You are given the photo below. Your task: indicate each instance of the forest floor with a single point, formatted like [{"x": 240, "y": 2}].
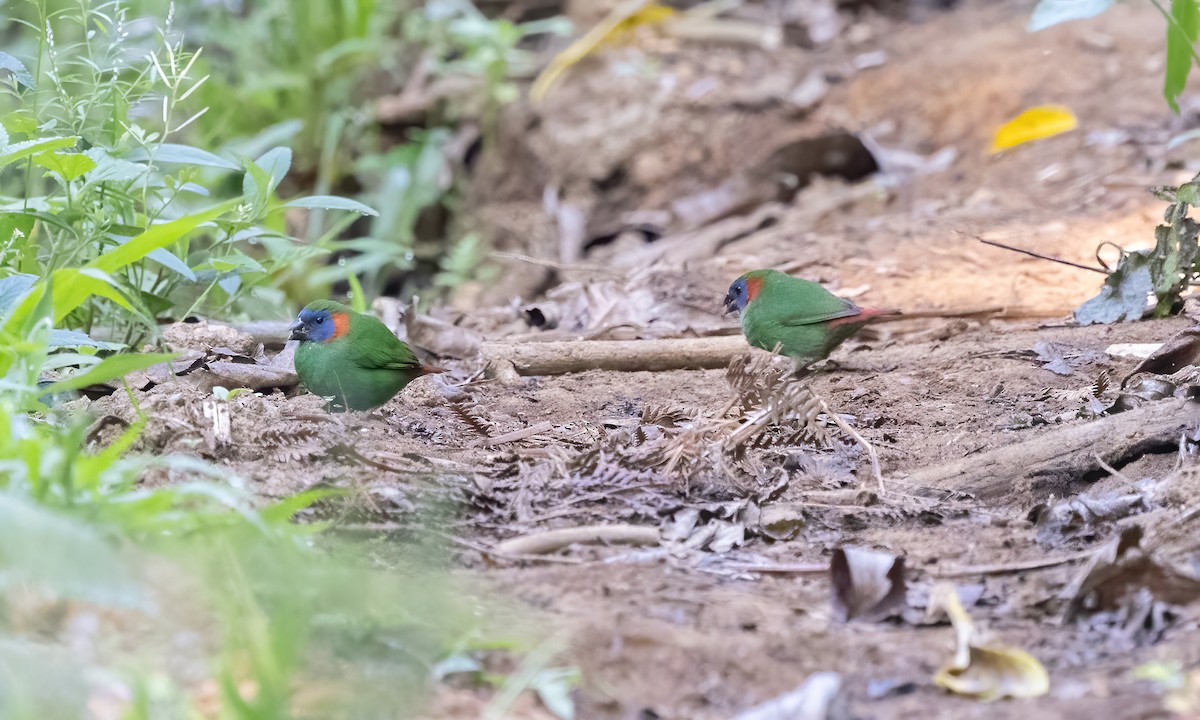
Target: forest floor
[{"x": 687, "y": 629}]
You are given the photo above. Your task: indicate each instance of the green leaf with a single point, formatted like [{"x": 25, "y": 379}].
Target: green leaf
[
  {"x": 276, "y": 162},
  {"x": 256, "y": 187},
  {"x": 19, "y": 121},
  {"x": 61, "y": 554},
  {"x": 76, "y": 339},
  {"x": 1123, "y": 297},
  {"x": 157, "y": 236},
  {"x": 68, "y": 165},
  {"x": 1052, "y": 12},
  {"x": 330, "y": 202},
  {"x": 12, "y": 289},
  {"x": 76, "y": 285},
  {"x": 110, "y": 368},
  {"x": 19, "y": 151},
  {"x": 173, "y": 154},
  {"x": 17, "y": 68},
  {"x": 1182, "y": 30}
]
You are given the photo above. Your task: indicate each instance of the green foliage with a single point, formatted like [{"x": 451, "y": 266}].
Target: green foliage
[
  {"x": 1166, "y": 271},
  {"x": 187, "y": 596},
  {"x": 1183, "y": 29},
  {"x": 1183, "y": 26},
  {"x": 103, "y": 199}
]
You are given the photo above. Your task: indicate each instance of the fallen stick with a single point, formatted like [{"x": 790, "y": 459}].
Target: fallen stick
[
  {"x": 548, "y": 541},
  {"x": 1006, "y": 568},
  {"x": 516, "y": 435},
  {"x": 781, "y": 568},
  {"x": 1055, "y": 460},
  {"x": 508, "y": 360}
]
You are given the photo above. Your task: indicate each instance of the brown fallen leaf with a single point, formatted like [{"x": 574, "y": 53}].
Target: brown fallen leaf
[
  {"x": 867, "y": 584},
  {"x": 1174, "y": 355},
  {"x": 984, "y": 671},
  {"x": 1121, "y": 570}
]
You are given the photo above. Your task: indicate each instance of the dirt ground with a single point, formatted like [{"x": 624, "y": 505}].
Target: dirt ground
[{"x": 690, "y": 632}]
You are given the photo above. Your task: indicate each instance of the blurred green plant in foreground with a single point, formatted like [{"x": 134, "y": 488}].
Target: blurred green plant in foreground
[{"x": 149, "y": 586}]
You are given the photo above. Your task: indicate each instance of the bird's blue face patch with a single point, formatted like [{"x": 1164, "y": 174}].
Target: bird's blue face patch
[
  {"x": 314, "y": 325},
  {"x": 738, "y": 296}
]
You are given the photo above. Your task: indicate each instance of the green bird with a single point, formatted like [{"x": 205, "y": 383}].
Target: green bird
[
  {"x": 351, "y": 358},
  {"x": 804, "y": 320}
]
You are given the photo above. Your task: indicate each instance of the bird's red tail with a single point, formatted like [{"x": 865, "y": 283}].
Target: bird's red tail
[
  {"x": 868, "y": 313},
  {"x": 865, "y": 315}
]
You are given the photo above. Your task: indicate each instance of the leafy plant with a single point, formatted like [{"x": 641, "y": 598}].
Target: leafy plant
[
  {"x": 118, "y": 215},
  {"x": 1166, "y": 271}
]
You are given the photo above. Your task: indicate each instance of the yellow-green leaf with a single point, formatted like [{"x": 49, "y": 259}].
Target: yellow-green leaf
[
  {"x": 21, "y": 150},
  {"x": 73, "y": 286},
  {"x": 68, "y": 165},
  {"x": 157, "y": 236},
  {"x": 987, "y": 671},
  {"x": 1034, "y": 124},
  {"x": 624, "y": 18}
]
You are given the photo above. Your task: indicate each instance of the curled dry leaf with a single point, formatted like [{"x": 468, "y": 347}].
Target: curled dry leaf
[
  {"x": 867, "y": 584},
  {"x": 1172, "y": 356},
  {"x": 1085, "y": 514},
  {"x": 1120, "y": 571},
  {"x": 985, "y": 671}
]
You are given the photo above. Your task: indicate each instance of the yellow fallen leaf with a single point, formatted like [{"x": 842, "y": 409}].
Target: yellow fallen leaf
[
  {"x": 624, "y": 18},
  {"x": 1034, "y": 124},
  {"x": 984, "y": 671}
]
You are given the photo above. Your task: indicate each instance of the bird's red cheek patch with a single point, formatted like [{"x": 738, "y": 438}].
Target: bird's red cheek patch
[
  {"x": 341, "y": 326},
  {"x": 753, "y": 287}
]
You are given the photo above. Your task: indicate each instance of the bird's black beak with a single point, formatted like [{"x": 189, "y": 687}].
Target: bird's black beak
[
  {"x": 299, "y": 331},
  {"x": 730, "y": 304}
]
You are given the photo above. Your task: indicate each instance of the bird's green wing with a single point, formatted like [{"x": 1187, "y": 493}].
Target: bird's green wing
[
  {"x": 805, "y": 316},
  {"x": 374, "y": 347}
]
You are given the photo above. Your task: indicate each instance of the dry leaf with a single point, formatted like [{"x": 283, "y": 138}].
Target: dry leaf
[
  {"x": 1121, "y": 570},
  {"x": 1172, "y": 356},
  {"x": 866, "y": 584},
  {"x": 1035, "y": 123},
  {"x": 984, "y": 671},
  {"x": 816, "y": 699},
  {"x": 623, "y": 19}
]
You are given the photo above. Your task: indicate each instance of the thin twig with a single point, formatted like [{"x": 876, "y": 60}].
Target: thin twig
[
  {"x": 549, "y": 541},
  {"x": 1031, "y": 253},
  {"x": 780, "y": 568},
  {"x": 516, "y": 435},
  {"x": 1003, "y": 568},
  {"x": 1113, "y": 471},
  {"x": 520, "y": 557},
  {"x": 862, "y": 443}
]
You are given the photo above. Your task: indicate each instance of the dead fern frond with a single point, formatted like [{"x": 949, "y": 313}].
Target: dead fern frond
[
  {"x": 670, "y": 416},
  {"x": 473, "y": 417},
  {"x": 290, "y": 444}
]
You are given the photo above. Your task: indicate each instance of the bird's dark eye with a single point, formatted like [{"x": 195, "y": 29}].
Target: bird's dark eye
[{"x": 320, "y": 320}]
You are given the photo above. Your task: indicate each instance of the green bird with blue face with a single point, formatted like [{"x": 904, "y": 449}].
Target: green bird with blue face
[
  {"x": 351, "y": 358},
  {"x": 801, "y": 318}
]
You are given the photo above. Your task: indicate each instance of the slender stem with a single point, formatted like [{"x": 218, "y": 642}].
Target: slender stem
[{"x": 1031, "y": 253}]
